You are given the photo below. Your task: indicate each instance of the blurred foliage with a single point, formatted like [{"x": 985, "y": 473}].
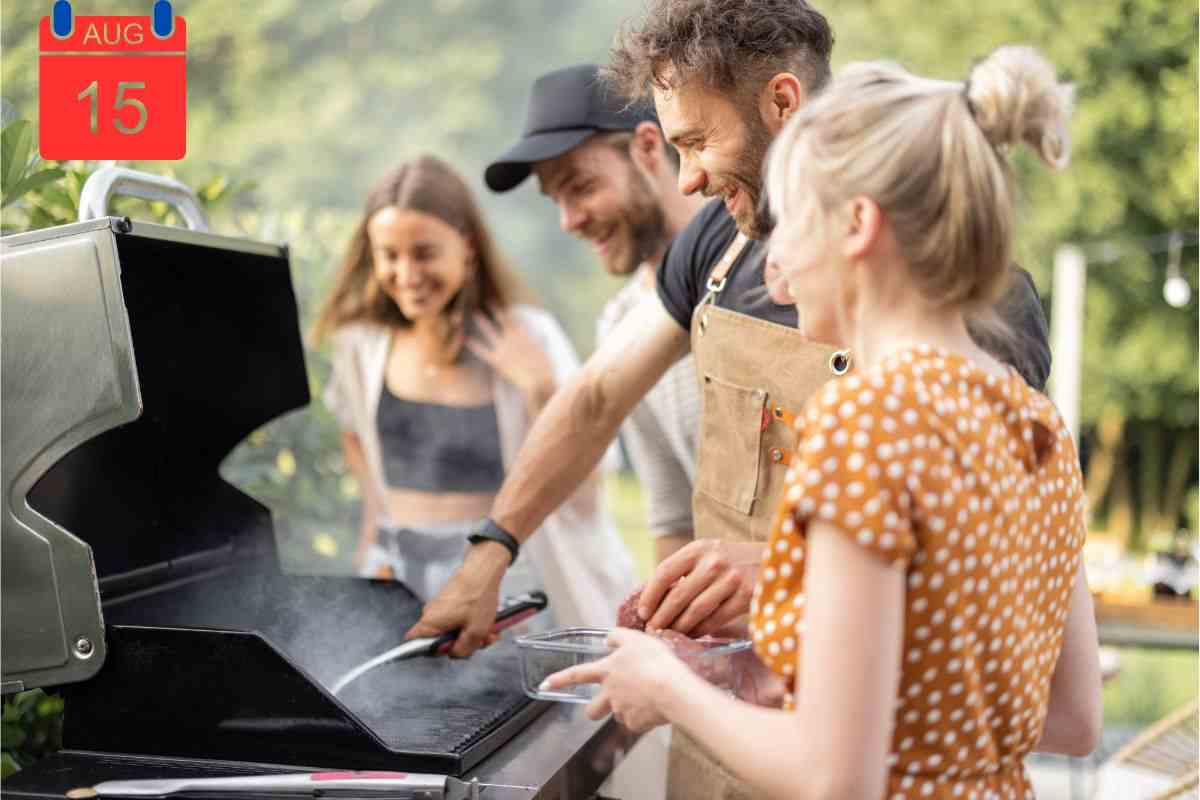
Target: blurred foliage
[
  {"x": 32, "y": 727},
  {"x": 54, "y": 200},
  {"x": 19, "y": 164}
]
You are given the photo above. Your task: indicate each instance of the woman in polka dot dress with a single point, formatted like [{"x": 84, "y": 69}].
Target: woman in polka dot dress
[{"x": 923, "y": 591}]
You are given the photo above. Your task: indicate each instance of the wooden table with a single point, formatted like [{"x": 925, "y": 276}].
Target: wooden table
[{"x": 1160, "y": 624}]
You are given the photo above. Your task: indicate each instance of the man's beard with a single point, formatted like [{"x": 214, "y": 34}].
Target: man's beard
[
  {"x": 643, "y": 228},
  {"x": 748, "y": 175}
]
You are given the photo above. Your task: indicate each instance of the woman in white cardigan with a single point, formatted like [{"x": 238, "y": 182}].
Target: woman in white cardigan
[{"x": 437, "y": 376}]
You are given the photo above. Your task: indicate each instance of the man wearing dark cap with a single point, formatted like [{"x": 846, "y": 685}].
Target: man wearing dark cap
[{"x": 604, "y": 163}]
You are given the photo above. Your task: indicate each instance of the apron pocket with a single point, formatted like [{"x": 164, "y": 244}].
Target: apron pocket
[{"x": 730, "y": 436}]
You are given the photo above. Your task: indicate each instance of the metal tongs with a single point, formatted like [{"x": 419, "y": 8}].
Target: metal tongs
[
  {"x": 515, "y": 610},
  {"x": 390, "y": 785}
]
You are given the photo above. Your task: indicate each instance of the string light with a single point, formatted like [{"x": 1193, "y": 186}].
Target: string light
[{"x": 1176, "y": 289}]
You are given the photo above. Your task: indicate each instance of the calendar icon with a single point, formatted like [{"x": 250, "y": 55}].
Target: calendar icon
[{"x": 112, "y": 87}]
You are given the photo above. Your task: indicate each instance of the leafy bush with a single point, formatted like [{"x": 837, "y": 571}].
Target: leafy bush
[
  {"x": 20, "y": 173},
  {"x": 32, "y": 727}
]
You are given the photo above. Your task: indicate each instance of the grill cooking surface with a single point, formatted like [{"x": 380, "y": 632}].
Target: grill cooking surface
[
  {"x": 329, "y": 625},
  {"x": 411, "y": 703}
]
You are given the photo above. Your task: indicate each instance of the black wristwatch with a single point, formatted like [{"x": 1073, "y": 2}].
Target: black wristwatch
[{"x": 489, "y": 531}]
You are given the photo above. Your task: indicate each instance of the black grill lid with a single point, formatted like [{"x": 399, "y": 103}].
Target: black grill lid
[
  {"x": 217, "y": 349},
  {"x": 135, "y": 356}
]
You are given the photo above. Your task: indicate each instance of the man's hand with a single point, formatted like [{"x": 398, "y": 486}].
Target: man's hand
[
  {"x": 467, "y": 602},
  {"x": 701, "y": 588}
]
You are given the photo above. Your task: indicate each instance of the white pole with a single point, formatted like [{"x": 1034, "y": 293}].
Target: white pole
[{"x": 1066, "y": 333}]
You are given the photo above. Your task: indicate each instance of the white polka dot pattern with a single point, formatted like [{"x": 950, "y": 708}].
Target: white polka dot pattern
[{"x": 971, "y": 484}]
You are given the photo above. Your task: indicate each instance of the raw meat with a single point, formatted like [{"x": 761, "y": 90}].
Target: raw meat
[{"x": 627, "y": 616}]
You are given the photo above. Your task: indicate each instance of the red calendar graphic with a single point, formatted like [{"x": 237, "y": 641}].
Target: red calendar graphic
[{"x": 112, "y": 87}]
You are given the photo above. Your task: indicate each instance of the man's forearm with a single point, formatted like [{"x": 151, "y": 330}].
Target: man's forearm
[
  {"x": 571, "y": 434},
  {"x": 567, "y": 441}
]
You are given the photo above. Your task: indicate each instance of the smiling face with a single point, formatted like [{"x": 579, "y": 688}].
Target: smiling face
[
  {"x": 603, "y": 199},
  {"x": 805, "y": 266},
  {"x": 418, "y": 260},
  {"x": 721, "y": 150}
]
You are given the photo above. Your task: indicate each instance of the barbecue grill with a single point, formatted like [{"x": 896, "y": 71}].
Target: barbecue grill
[{"x": 135, "y": 358}]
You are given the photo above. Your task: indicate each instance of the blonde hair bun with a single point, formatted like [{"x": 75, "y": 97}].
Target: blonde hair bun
[{"x": 1015, "y": 97}]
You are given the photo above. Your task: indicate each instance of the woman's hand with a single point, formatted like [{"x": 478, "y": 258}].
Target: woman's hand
[
  {"x": 702, "y": 587},
  {"x": 508, "y": 347},
  {"x": 635, "y": 680}
]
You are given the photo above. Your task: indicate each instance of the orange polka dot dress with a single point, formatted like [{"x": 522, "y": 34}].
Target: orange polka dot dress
[{"x": 969, "y": 483}]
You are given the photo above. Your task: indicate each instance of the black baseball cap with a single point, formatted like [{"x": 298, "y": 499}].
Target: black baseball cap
[{"x": 565, "y": 107}]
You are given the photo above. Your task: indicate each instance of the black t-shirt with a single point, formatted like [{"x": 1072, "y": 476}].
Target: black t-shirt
[{"x": 684, "y": 270}]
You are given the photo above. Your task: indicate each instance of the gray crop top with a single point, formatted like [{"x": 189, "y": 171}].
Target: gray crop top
[{"x": 438, "y": 448}]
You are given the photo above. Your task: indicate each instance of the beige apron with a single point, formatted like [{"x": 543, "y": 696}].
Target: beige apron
[{"x": 754, "y": 377}]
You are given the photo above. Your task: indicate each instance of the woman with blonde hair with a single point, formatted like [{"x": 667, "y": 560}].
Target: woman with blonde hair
[
  {"x": 437, "y": 376},
  {"x": 923, "y": 591}
]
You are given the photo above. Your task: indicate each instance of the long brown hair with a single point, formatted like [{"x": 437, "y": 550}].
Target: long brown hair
[{"x": 429, "y": 185}]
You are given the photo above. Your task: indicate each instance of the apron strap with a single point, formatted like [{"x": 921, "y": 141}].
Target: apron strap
[
  {"x": 720, "y": 273},
  {"x": 718, "y": 277}
]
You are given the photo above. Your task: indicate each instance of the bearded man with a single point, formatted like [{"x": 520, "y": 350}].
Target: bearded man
[{"x": 605, "y": 165}]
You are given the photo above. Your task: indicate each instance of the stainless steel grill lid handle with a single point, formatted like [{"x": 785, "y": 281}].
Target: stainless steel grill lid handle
[{"x": 108, "y": 181}]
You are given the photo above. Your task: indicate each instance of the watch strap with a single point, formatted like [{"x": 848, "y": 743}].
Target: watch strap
[{"x": 489, "y": 531}]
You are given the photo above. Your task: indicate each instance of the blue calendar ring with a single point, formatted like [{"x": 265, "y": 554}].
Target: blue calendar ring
[
  {"x": 163, "y": 19},
  {"x": 62, "y": 21}
]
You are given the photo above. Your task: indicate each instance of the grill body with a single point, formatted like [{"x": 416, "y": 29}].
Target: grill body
[{"x": 135, "y": 358}]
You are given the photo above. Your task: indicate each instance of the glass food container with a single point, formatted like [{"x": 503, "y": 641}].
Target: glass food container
[{"x": 723, "y": 662}]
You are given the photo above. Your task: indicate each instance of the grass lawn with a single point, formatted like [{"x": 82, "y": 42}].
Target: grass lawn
[{"x": 1151, "y": 684}]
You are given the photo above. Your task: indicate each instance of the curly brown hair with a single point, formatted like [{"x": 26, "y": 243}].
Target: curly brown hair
[{"x": 730, "y": 45}]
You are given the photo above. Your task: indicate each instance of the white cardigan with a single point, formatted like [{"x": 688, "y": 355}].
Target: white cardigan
[{"x": 584, "y": 566}]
